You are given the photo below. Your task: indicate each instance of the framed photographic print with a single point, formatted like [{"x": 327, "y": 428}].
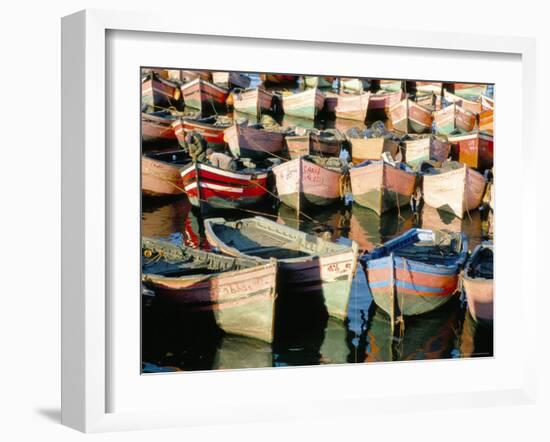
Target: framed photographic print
[{"x": 269, "y": 221}]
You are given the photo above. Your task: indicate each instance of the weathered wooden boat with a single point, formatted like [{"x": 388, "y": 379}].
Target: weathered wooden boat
[
  {"x": 425, "y": 87},
  {"x": 253, "y": 141},
  {"x": 474, "y": 149},
  {"x": 453, "y": 187},
  {"x": 306, "y": 104},
  {"x": 298, "y": 145},
  {"x": 210, "y": 128},
  {"x": 187, "y": 76},
  {"x": 381, "y": 186},
  {"x": 383, "y": 101},
  {"x": 470, "y": 105},
  {"x": 309, "y": 181},
  {"x": 209, "y": 187},
  {"x": 306, "y": 263},
  {"x": 252, "y": 101},
  {"x": 353, "y": 85},
  {"x": 314, "y": 81},
  {"x": 454, "y": 118},
  {"x": 204, "y": 96},
  {"x": 429, "y": 101},
  {"x": 352, "y": 107},
  {"x": 486, "y": 116},
  {"x": 239, "y": 292},
  {"x": 158, "y": 93},
  {"x": 478, "y": 282},
  {"x": 326, "y": 142},
  {"x": 388, "y": 85},
  {"x": 416, "y": 272},
  {"x": 276, "y": 79},
  {"x": 160, "y": 172},
  {"x": 420, "y": 148},
  {"x": 408, "y": 116},
  {"x": 363, "y": 149},
  {"x": 469, "y": 90},
  {"x": 230, "y": 79},
  {"x": 156, "y": 128}
]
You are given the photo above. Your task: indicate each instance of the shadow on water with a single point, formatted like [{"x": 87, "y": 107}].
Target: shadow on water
[{"x": 476, "y": 339}]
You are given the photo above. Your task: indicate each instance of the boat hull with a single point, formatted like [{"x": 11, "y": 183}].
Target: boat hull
[
  {"x": 159, "y": 178},
  {"x": 454, "y": 118},
  {"x": 419, "y": 288},
  {"x": 475, "y": 150},
  {"x": 305, "y": 104},
  {"x": 352, "y": 107},
  {"x": 230, "y": 79},
  {"x": 407, "y": 116},
  {"x": 301, "y": 183},
  {"x": 381, "y": 187},
  {"x": 213, "y": 135},
  {"x": 425, "y": 149},
  {"x": 157, "y": 94},
  {"x": 456, "y": 191},
  {"x": 252, "y": 102},
  {"x": 157, "y": 130},
  {"x": 255, "y": 143},
  {"x": 204, "y": 96},
  {"x": 209, "y": 187},
  {"x": 363, "y": 149}
]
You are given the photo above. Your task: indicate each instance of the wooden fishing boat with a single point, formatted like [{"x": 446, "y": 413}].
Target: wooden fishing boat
[
  {"x": 187, "y": 76},
  {"x": 204, "y": 96},
  {"x": 454, "y": 118},
  {"x": 298, "y": 145},
  {"x": 416, "y": 272},
  {"x": 469, "y": 90},
  {"x": 352, "y": 107},
  {"x": 407, "y": 116},
  {"x": 305, "y": 263},
  {"x": 254, "y": 141},
  {"x": 306, "y": 104},
  {"x": 326, "y": 142},
  {"x": 209, "y": 187},
  {"x": 305, "y": 182},
  {"x": 210, "y": 128},
  {"x": 381, "y": 186},
  {"x": 231, "y": 79},
  {"x": 388, "y": 85},
  {"x": 276, "y": 79},
  {"x": 420, "y": 148},
  {"x": 239, "y": 292},
  {"x": 158, "y": 93},
  {"x": 160, "y": 172},
  {"x": 383, "y": 100},
  {"x": 453, "y": 188},
  {"x": 470, "y": 105},
  {"x": 353, "y": 85},
  {"x": 156, "y": 128},
  {"x": 425, "y": 87},
  {"x": 478, "y": 282},
  {"x": 429, "y": 101},
  {"x": 252, "y": 101},
  {"x": 314, "y": 81},
  {"x": 474, "y": 149},
  {"x": 363, "y": 149},
  {"x": 486, "y": 122}
]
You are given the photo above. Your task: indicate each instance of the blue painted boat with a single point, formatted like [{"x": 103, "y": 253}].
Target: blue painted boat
[{"x": 415, "y": 272}]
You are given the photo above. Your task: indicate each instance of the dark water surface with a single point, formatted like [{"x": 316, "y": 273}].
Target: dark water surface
[{"x": 305, "y": 336}]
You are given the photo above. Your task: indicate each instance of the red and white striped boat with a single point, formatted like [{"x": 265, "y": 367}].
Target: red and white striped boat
[
  {"x": 210, "y": 128},
  {"x": 209, "y": 187}
]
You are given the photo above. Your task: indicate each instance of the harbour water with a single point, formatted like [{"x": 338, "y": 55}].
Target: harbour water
[{"x": 305, "y": 335}]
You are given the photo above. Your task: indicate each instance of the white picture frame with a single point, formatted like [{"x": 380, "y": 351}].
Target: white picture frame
[{"x": 86, "y": 354}]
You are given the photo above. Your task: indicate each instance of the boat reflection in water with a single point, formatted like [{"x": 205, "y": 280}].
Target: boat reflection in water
[
  {"x": 476, "y": 339},
  {"x": 430, "y": 336}
]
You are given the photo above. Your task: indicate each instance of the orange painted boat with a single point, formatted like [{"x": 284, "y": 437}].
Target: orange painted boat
[
  {"x": 156, "y": 129},
  {"x": 304, "y": 183},
  {"x": 352, "y": 107},
  {"x": 253, "y": 141},
  {"x": 204, "y": 96},
  {"x": 407, "y": 116},
  {"x": 454, "y": 118},
  {"x": 381, "y": 186},
  {"x": 478, "y": 282},
  {"x": 363, "y": 149},
  {"x": 453, "y": 188},
  {"x": 239, "y": 292},
  {"x": 474, "y": 149},
  {"x": 160, "y": 173}
]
